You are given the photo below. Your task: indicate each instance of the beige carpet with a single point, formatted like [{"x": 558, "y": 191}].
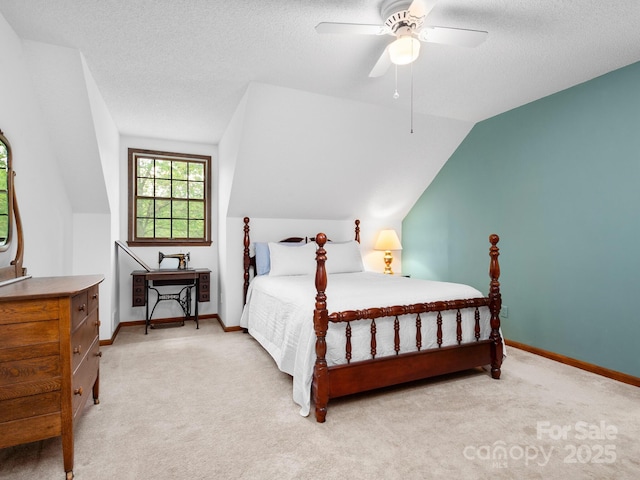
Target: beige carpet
[{"x": 182, "y": 403}]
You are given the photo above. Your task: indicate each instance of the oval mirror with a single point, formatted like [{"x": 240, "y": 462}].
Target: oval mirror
[{"x": 5, "y": 193}]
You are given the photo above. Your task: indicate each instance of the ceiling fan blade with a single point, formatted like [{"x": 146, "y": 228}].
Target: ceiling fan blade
[
  {"x": 460, "y": 37},
  {"x": 351, "y": 28},
  {"x": 421, "y": 8},
  {"x": 382, "y": 65}
]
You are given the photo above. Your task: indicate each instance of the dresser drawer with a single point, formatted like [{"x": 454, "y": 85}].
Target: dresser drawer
[
  {"x": 22, "y": 311},
  {"x": 79, "y": 309},
  {"x": 82, "y": 339},
  {"x": 30, "y": 406},
  {"x": 28, "y": 370},
  {"x": 85, "y": 377},
  {"x": 30, "y": 429},
  {"x": 28, "y": 340}
]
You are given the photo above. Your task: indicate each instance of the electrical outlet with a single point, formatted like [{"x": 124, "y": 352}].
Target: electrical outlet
[{"x": 504, "y": 311}]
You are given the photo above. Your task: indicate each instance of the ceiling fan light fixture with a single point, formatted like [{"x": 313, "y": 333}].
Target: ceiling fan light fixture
[{"x": 404, "y": 50}]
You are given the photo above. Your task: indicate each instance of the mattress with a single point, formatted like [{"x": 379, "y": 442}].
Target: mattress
[{"x": 279, "y": 315}]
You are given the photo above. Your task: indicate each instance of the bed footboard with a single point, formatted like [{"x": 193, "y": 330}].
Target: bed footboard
[{"x": 354, "y": 377}]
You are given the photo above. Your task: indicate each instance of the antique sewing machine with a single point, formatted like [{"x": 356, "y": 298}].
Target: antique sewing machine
[
  {"x": 146, "y": 281},
  {"x": 183, "y": 258}
]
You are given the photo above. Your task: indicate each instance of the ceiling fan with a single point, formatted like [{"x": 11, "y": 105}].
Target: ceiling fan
[{"x": 405, "y": 19}]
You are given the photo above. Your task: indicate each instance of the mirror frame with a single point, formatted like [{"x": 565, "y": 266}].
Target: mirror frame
[
  {"x": 7, "y": 242},
  {"x": 15, "y": 270}
]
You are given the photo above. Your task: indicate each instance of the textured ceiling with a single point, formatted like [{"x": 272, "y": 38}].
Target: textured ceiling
[{"x": 178, "y": 68}]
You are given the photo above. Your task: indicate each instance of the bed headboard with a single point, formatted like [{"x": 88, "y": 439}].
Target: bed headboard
[{"x": 250, "y": 260}]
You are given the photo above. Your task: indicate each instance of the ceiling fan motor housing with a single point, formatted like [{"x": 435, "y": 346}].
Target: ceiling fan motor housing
[{"x": 398, "y": 17}]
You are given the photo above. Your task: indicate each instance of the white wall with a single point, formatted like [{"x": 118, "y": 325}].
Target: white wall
[
  {"x": 85, "y": 139},
  {"x": 44, "y": 204},
  {"x": 201, "y": 257},
  {"x": 62, "y": 79},
  {"x": 92, "y": 254},
  {"x": 228, "y": 152},
  {"x": 108, "y": 143},
  {"x": 304, "y": 155},
  {"x": 299, "y": 163},
  {"x": 65, "y": 148}
]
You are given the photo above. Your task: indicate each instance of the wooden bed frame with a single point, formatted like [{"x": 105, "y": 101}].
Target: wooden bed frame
[{"x": 354, "y": 377}]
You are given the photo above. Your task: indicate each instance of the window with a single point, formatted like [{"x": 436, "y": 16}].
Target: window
[{"x": 169, "y": 198}]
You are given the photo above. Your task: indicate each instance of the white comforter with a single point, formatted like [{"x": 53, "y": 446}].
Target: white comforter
[{"x": 279, "y": 315}]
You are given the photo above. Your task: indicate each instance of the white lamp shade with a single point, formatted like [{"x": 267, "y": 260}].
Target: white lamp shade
[
  {"x": 404, "y": 50},
  {"x": 388, "y": 240}
]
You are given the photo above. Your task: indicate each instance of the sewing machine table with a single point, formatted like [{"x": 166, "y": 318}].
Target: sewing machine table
[{"x": 144, "y": 281}]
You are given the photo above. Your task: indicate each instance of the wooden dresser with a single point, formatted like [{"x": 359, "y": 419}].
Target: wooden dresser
[{"x": 49, "y": 358}]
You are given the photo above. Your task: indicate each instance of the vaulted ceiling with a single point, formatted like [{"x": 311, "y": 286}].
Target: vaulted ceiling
[{"x": 179, "y": 69}]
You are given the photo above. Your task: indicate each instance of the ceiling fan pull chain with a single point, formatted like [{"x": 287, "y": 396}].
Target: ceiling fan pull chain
[
  {"x": 411, "y": 97},
  {"x": 396, "y": 95}
]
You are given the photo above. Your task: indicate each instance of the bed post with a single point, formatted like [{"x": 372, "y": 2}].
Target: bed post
[
  {"x": 495, "y": 303},
  {"x": 320, "y": 325},
  {"x": 247, "y": 258},
  {"x": 358, "y": 231}
]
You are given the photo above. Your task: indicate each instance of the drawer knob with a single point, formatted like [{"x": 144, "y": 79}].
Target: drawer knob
[
  {"x": 99, "y": 354},
  {"x": 77, "y": 349},
  {"x": 82, "y": 307},
  {"x": 97, "y": 323},
  {"x": 78, "y": 391},
  {"x": 94, "y": 296}
]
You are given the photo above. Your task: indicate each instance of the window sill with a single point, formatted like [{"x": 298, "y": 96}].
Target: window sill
[{"x": 169, "y": 243}]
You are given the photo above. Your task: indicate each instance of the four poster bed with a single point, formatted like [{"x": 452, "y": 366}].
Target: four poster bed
[{"x": 369, "y": 330}]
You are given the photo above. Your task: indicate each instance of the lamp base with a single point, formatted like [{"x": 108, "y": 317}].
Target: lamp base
[{"x": 388, "y": 258}]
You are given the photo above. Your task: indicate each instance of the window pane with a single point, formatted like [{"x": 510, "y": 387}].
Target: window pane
[
  {"x": 145, "y": 187},
  {"x": 196, "y": 190},
  {"x": 145, "y": 167},
  {"x": 180, "y": 189},
  {"x": 144, "y": 207},
  {"x": 196, "y": 171},
  {"x": 196, "y": 210},
  {"x": 145, "y": 228},
  {"x": 180, "y": 170},
  {"x": 180, "y": 229},
  {"x": 3, "y": 176},
  {"x": 196, "y": 228},
  {"x": 163, "y": 209},
  {"x": 163, "y": 228},
  {"x": 163, "y": 169},
  {"x": 163, "y": 188},
  {"x": 180, "y": 209}
]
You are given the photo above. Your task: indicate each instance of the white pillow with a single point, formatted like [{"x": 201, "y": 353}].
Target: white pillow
[
  {"x": 343, "y": 257},
  {"x": 292, "y": 261}
]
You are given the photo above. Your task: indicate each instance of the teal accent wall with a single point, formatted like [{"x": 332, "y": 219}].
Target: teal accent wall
[{"x": 559, "y": 180}]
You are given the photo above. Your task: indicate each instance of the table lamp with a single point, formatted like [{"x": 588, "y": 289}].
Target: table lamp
[{"x": 388, "y": 240}]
